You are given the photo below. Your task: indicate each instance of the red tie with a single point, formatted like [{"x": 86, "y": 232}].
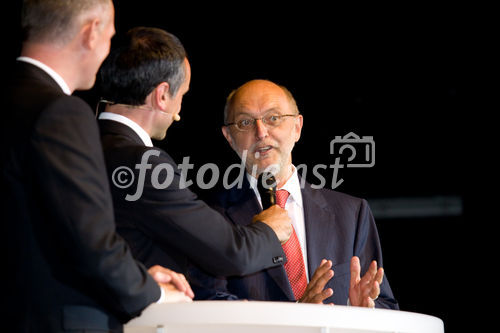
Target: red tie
[{"x": 294, "y": 267}]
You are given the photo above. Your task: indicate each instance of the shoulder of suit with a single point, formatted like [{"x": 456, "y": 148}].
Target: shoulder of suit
[
  {"x": 158, "y": 155},
  {"x": 332, "y": 196},
  {"x": 42, "y": 96},
  {"x": 70, "y": 109},
  {"x": 76, "y": 102},
  {"x": 121, "y": 141},
  {"x": 155, "y": 157}
]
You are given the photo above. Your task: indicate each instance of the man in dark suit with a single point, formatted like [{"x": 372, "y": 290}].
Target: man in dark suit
[
  {"x": 144, "y": 80},
  {"x": 334, "y": 236},
  {"x": 68, "y": 269}
]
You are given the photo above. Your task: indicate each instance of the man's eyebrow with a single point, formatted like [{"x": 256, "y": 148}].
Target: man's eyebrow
[{"x": 247, "y": 113}]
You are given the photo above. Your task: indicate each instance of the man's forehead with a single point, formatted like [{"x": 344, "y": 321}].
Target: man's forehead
[{"x": 259, "y": 101}]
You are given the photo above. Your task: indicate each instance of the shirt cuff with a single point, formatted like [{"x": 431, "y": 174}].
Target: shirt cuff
[{"x": 162, "y": 296}]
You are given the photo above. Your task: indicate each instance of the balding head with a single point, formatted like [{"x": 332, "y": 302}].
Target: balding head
[
  {"x": 262, "y": 125},
  {"x": 254, "y": 88}
]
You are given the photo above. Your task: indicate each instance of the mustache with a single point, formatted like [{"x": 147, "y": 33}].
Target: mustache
[
  {"x": 256, "y": 148},
  {"x": 260, "y": 145}
]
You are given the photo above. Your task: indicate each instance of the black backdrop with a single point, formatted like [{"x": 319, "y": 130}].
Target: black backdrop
[{"x": 400, "y": 75}]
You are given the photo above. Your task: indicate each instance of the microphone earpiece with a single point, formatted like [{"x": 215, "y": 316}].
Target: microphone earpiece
[{"x": 176, "y": 117}]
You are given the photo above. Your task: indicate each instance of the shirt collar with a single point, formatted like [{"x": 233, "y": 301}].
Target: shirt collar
[
  {"x": 52, "y": 73},
  {"x": 292, "y": 185},
  {"x": 146, "y": 139}
]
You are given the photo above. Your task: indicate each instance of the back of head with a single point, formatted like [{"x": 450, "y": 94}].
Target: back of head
[
  {"x": 55, "y": 21},
  {"x": 141, "y": 61}
]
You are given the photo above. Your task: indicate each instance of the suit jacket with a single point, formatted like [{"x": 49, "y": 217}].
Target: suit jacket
[
  {"x": 338, "y": 226},
  {"x": 68, "y": 269},
  {"x": 171, "y": 226}
]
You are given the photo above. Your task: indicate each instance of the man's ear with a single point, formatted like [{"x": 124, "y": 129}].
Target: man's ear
[
  {"x": 227, "y": 135},
  {"x": 299, "y": 120},
  {"x": 90, "y": 33},
  {"x": 162, "y": 95}
]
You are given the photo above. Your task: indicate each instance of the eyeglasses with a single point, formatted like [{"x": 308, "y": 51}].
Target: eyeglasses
[{"x": 270, "y": 120}]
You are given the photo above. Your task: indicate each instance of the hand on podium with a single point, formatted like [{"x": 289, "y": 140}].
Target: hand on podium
[
  {"x": 364, "y": 291},
  {"x": 277, "y": 218},
  {"x": 175, "y": 287},
  {"x": 173, "y": 295}
]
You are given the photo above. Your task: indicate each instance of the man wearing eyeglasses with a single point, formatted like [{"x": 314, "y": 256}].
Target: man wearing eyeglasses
[{"x": 334, "y": 250}]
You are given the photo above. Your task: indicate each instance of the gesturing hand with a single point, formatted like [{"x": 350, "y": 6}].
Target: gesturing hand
[
  {"x": 364, "y": 291},
  {"x": 315, "y": 292}
]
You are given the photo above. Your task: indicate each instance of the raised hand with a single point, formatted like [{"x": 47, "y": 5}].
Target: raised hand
[
  {"x": 364, "y": 291},
  {"x": 315, "y": 291}
]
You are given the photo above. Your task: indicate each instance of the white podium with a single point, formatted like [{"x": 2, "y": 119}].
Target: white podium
[{"x": 276, "y": 317}]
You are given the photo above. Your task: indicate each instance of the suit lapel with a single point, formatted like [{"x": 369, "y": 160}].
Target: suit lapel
[
  {"x": 244, "y": 205},
  {"x": 321, "y": 235},
  {"x": 278, "y": 274}
]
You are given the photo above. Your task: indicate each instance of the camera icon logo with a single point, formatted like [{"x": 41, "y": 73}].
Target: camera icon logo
[{"x": 352, "y": 142}]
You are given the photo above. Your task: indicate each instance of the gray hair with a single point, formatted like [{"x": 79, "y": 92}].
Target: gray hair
[
  {"x": 230, "y": 98},
  {"x": 55, "y": 20}
]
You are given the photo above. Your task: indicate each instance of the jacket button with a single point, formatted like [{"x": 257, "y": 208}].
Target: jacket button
[{"x": 277, "y": 260}]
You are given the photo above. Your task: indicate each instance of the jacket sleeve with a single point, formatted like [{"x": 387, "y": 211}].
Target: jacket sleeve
[
  {"x": 208, "y": 287},
  {"x": 169, "y": 213},
  {"x": 367, "y": 248},
  {"x": 71, "y": 171}
]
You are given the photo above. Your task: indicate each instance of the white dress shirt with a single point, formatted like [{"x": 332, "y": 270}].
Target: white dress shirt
[
  {"x": 146, "y": 139},
  {"x": 293, "y": 206},
  {"x": 52, "y": 73}
]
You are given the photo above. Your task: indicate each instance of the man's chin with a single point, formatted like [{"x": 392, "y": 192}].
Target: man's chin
[
  {"x": 159, "y": 136},
  {"x": 87, "y": 85}
]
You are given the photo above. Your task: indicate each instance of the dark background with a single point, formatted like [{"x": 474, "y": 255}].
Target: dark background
[{"x": 399, "y": 74}]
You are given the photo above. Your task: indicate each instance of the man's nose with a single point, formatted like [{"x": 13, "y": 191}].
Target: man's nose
[{"x": 260, "y": 129}]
